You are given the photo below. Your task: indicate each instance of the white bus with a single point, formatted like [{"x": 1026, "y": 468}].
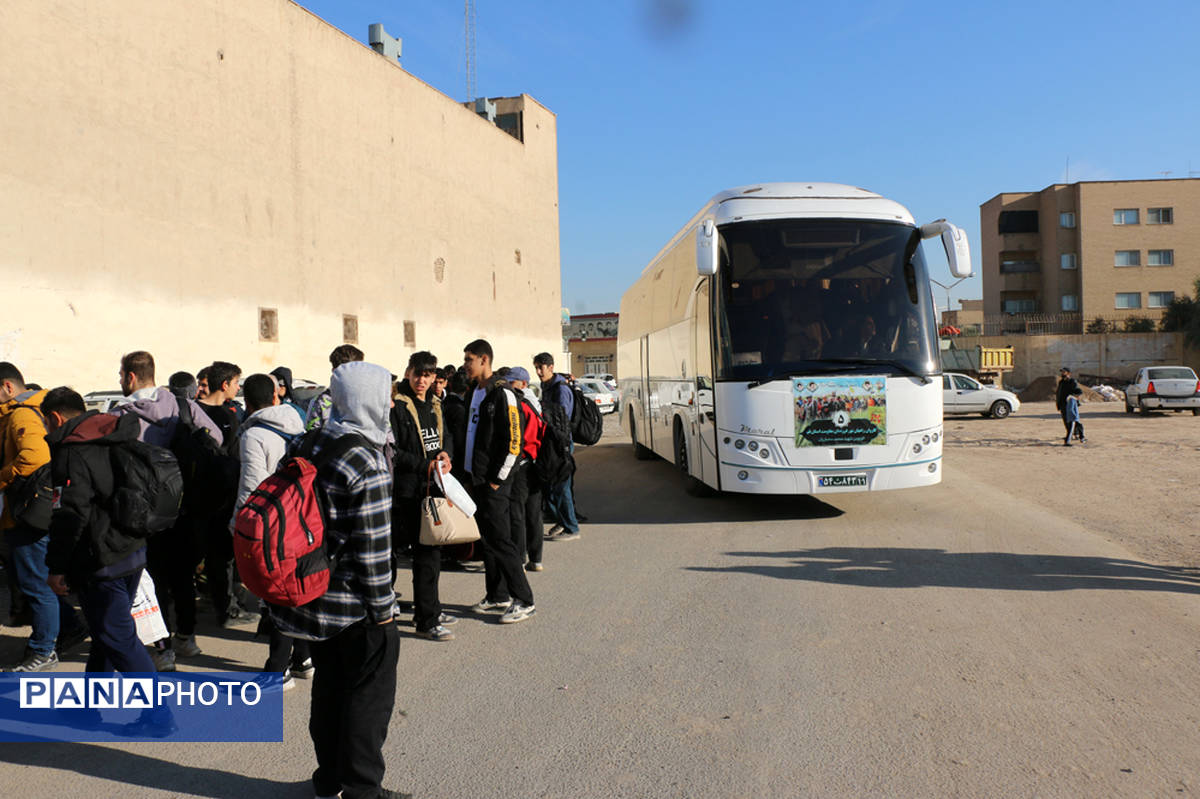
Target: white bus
[{"x": 784, "y": 342}]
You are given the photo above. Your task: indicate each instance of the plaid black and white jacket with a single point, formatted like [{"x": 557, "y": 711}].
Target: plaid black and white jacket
[{"x": 357, "y": 489}]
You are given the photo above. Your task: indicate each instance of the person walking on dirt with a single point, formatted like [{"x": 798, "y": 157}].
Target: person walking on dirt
[{"x": 1067, "y": 387}]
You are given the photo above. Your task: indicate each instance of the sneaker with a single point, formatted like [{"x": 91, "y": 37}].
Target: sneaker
[
  {"x": 185, "y": 645},
  {"x": 446, "y": 619},
  {"x": 267, "y": 679},
  {"x": 68, "y": 641},
  {"x": 569, "y": 535},
  {"x": 485, "y": 605},
  {"x": 555, "y": 530},
  {"x": 35, "y": 661},
  {"x": 1066, "y": 443},
  {"x": 164, "y": 659},
  {"x": 240, "y": 618},
  {"x": 534, "y": 566},
  {"x": 151, "y": 724},
  {"x": 305, "y": 670},
  {"x": 518, "y": 612},
  {"x": 438, "y": 633},
  {"x": 288, "y": 682}
]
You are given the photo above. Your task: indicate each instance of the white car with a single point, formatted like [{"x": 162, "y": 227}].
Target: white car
[
  {"x": 1164, "y": 388},
  {"x": 962, "y": 394},
  {"x": 609, "y": 382},
  {"x": 596, "y": 391},
  {"x": 103, "y": 401}
]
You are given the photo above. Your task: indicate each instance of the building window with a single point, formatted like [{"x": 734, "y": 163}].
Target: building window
[
  {"x": 1018, "y": 222},
  {"x": 1019, "y": 306},
  {"x": 1125, "y": 216},
  {"x": 1129, "y": 299},
  {"x": 1070, "y": 302},
  {"x": 1127, "y": 258},
  {"x": 1066, "y": 219},
  {"x": 1011, "y": 266},
  {"x": 1161, "y": 258},
  {"x": 1160, "y": 299},
  {"x": 268, "y": 324},
  {"x": 410, "y": 333},
  {"x": 1068, "y": 261},
  {"x": 1160, "y": 216},
  {"x": 349, "y": 329}
]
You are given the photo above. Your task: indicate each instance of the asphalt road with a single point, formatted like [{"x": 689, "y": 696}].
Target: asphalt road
[{"x": 961, "y": 640}]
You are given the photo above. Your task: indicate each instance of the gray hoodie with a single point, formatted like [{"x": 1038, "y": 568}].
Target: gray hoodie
[
  {"x": 159, "y": 415},
  {"x": 362, "y": 401},
  {"x": 266, "y": 434}
]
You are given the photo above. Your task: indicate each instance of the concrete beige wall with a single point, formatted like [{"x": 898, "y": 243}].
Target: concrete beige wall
[
  {"x": 170, "y": 168},
  {"x": 1114, "y": 354},
  {"x": 582, "y": 350}
]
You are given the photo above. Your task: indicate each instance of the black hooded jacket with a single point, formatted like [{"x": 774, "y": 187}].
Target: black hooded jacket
[
  {"x": 413, "y": 453},
  {"x": 83, "y": 542}
]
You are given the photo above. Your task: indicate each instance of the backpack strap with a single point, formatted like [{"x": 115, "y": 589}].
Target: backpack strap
[
  {"x": 287, "y": 438},
  {"x": 185, "y": 411}
]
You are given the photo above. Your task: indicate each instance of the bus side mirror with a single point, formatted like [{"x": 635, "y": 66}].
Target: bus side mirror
[
  {"x": 958, "y": 251},
  {"x": 706, "y": 248}
]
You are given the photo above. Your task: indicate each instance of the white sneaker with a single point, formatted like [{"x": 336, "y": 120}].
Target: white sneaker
[
  {"x": 518, "y": 612},
  {"x": 486, "y": 606},
  {"x": 185, "y": 646}
]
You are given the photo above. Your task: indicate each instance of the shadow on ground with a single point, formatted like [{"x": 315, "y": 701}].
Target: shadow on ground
[
  {"x": 614, "y": 490},
  {"x": 916, "y": 568},
  {"x": 131, "y": 769}
]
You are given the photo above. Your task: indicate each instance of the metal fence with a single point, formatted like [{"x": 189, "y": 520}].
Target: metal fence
[{"x": 1044, "y": 324}]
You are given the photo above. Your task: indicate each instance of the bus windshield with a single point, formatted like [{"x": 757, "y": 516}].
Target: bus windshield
[{"x": 822, "y": 295}]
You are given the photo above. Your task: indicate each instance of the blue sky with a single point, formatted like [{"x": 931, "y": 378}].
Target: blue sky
[{"x": 937, "y": 105}]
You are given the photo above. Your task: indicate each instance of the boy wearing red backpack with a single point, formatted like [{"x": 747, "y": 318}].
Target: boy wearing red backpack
[{"x": 354, "y": 643}]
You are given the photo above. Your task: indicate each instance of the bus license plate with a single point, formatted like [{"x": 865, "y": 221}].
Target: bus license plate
[{"x": 842, "y": 480}]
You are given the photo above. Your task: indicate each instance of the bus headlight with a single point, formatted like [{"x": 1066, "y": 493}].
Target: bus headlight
[
  {"x": 932, "y": 468},
  {"x": 753, "y": 446},
  {"x": 925, "y": 439},
  {"x": 936, "y": 436},
  {"x": 743, "y": 474},
  {"x": 739, "y": 444},
  {"x": 916, "y": 449},
  {"x": 766, "y": 453}
]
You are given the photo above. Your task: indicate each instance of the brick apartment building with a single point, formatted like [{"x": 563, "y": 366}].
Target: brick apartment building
[{"x": 1111, "y": 249}]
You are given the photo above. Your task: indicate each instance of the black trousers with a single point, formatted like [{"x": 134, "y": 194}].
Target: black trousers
[
  {"x": 499, "y": 519},
  {"x": 426, "y": 562},
  {"x": 107, "y": 605},
  {"x": 527, "y": 492},
  {"x": 353, "y": 693},
  {"x": 282, "y": 650},
  {"x": 171, "y": 559}
]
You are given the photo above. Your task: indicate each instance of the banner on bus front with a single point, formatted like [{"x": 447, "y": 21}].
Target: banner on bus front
[{"x": 840, "y": 411}]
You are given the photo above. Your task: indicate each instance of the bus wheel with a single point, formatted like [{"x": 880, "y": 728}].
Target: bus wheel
[
  {"x": 639, "y": 452},
  {"x": 694, "y": 487}
]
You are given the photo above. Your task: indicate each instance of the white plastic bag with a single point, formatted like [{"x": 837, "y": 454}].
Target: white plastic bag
[
  {"x": 453, "y": 491},
  {"x": 146, "y": 614}
]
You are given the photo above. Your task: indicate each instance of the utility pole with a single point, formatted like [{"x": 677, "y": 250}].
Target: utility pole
[{"x": 469, "y": 29}]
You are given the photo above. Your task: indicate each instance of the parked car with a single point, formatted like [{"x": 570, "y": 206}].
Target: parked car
[
  {"x": 609, "y": 382},
  {"x": 1164, "y": 388},
  {"x": 598, "y": 393},
  {"x": 103, "y": 401},
  {"x": 962, "y": 394}
]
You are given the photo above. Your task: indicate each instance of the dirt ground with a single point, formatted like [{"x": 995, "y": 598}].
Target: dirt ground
[{"x": 1133, "y": 482}]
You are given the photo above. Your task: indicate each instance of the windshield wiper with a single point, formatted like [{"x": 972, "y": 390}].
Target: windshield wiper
[{"x": 868, "y": 362}]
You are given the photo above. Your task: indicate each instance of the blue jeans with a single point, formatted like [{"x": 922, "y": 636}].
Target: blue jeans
[{"x": 50, "y": 611}]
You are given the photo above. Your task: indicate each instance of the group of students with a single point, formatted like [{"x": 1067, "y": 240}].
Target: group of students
[{"x": 384, "y": 439}]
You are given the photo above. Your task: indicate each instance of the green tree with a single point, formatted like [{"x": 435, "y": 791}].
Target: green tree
[
  {"x": 1138, "y": 324},
  {"x": 1099, "y": 325},
  {"x": 1183, "y": 316}
]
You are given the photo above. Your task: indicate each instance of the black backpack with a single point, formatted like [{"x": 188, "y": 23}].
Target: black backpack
[
  {"x": 586, "y": 423},
  {"x": 554, "y": 462},
  {"x": 210, "y": 477},
  {"x": 147, "y": 488}
]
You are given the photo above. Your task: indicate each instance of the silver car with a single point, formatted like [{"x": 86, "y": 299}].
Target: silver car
[
  {"x": 597, "y": 392},
  {"x": 962, "y": 394},
  {"x": 1164, "y": 388}
]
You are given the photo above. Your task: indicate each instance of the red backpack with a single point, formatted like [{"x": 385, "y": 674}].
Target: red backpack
[
  {"x": 279, "y": 541},
  {"x": 534, "y": 432}
]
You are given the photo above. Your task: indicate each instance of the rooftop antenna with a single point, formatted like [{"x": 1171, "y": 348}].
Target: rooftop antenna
[{"x": 469, "y": 26}]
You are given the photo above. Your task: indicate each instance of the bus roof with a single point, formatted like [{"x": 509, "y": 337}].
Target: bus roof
[{"x": 795, "y": 200}]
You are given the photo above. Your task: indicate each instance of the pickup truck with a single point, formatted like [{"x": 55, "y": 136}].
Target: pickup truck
[{"x": 1164, "y": 388}]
